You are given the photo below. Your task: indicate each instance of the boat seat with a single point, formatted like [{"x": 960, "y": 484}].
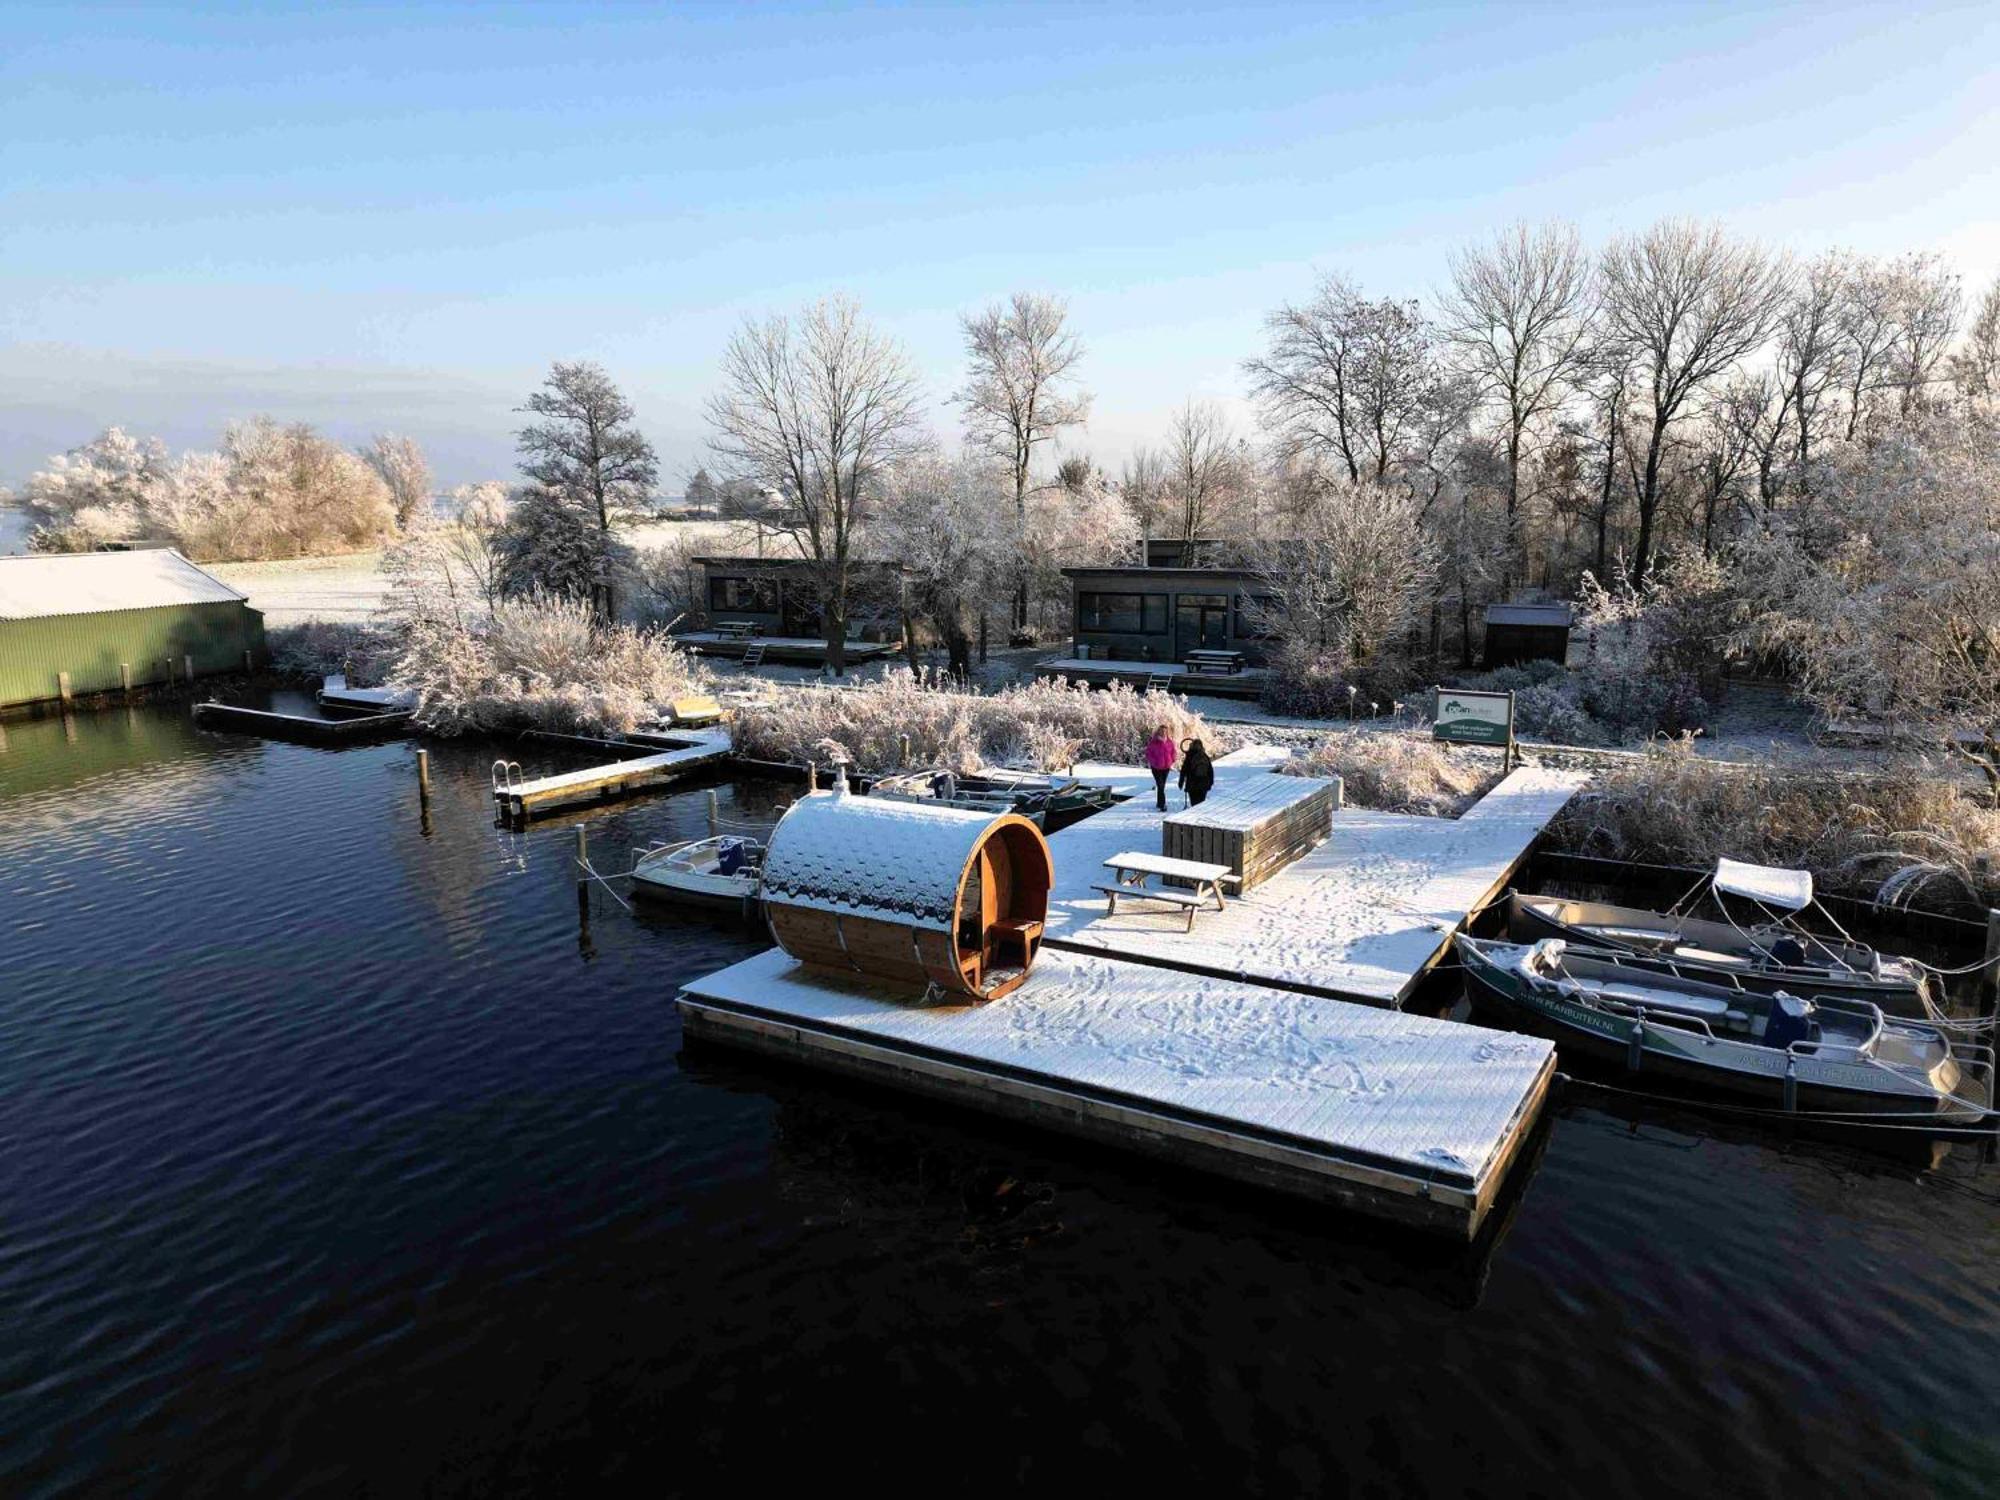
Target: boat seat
[{"x": 1708, "y": 956}]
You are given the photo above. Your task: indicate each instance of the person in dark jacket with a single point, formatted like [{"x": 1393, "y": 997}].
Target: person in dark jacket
[{"x": 1197, "y": 771}]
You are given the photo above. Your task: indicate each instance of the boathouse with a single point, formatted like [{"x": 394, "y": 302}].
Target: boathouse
[
  {"x": 93, "y": 622},
  {"x": 1526, "y": 632},
  {"x": 907, "y": 893}
]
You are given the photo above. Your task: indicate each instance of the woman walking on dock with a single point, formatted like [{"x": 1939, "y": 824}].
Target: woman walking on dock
[
  {"x": 1197, "y": 771},
  {"x": 1160, "y": 758}
]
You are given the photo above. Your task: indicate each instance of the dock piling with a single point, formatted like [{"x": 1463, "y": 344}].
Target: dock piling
[
  {"x": 62, "y": 686},
  {"x": 812, "y": 776},
  {"x": 249, "y": 666},
  {"x": 582, "y": 854},
  {"x": 125, "y": 679},
  {"x": 424, "y": 777},
  {"x": 187, "y": 666},
  {"x": 711, "y": 812}
]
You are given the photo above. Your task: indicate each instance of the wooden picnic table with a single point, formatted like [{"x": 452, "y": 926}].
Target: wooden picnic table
[
  {"x": 1133, "y": 868},
  {"x": 738, "y": 630}
]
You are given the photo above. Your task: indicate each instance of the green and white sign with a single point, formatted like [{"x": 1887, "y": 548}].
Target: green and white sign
[{"x": 1468, "y": 718}]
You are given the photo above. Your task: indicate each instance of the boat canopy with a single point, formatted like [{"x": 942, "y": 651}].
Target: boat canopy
[{"x": 1788, "y": 890}]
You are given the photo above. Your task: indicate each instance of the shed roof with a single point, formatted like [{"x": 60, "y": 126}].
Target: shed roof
[
  {"x": 1529, "y": 614},
  {"x": 872, "y": 857},
  {"x": 90, "y": 583}
]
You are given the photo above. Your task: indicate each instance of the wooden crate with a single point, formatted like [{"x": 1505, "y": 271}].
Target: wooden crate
[{"x": 1256, "y": 827}]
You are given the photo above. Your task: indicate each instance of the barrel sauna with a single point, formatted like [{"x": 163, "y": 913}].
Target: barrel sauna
[{"x": 909, "y": 894}]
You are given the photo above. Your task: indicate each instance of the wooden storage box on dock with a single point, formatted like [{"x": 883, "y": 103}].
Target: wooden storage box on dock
[
  {"x": 1256, "y": 827},
  {"x": 907, "y": 893}
]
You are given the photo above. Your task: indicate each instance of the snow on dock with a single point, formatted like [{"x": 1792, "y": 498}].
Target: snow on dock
[
  {"x": 520, "y": 799},
  {"x": 334, "y": 693},
  {"x": 1361, "y": 917},
  {"x": 1395, "y": 1115},
  {"x": 307, "y": 727}
]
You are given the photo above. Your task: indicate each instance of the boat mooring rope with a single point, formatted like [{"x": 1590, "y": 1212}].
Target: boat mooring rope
[{"x": 591, "y": 874}]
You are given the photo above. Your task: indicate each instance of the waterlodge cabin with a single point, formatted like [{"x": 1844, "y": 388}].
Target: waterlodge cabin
[
  {"x": 781, "y": 597},
  {"x": 913, "y": 894},
  {"x": 1185, "y": 597}
]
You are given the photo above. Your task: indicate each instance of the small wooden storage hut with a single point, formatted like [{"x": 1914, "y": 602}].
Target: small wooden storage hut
[
  {"x": 1257, "y": 827},
  {"x": 908, "y": 893}
]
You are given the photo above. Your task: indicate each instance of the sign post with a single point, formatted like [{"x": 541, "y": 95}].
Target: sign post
[{"x": 1463, "y": 717}]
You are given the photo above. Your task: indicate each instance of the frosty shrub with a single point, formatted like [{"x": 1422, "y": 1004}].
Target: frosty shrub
[
  {"x": 541, "y": 663},
  {"x": 1855, "y": 833},
  {"x": 1405, "y": 772},
  {"x": 315, "y": 648},
  {"x": 1313, "y": 684},
  {"x": 1044, "y": 725}
]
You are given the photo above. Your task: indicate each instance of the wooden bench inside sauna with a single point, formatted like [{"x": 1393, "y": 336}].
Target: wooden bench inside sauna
[{"x": 910, "y": 894}]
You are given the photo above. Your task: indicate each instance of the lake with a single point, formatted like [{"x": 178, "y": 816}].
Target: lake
[{"x": 341, "y": 1156}]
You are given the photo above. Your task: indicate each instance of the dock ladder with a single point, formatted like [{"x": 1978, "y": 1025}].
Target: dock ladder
[
  {"x": 1159, "y": 682},
  {"x": 753, "y": 654},
  {"x": 507, "y": 780}
]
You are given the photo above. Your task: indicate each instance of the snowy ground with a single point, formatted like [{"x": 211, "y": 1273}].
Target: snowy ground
[{"x": 1434, "y": 1098}]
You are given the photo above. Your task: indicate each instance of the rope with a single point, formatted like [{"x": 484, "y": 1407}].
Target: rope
[{"x": 584, "y": 865}]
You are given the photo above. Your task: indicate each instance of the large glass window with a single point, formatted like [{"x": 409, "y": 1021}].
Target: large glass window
[
  {"x": 1138, "y": 614},
  {"x": 755, "y": 595}
]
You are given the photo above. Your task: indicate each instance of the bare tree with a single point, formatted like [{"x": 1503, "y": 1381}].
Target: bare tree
[
  {"x": 1143, "y": 484},
  {"x": 817, "y": 408},
  {"x": 1354, "y": 575},
  {"x": 938, "y": 518},
  {"x": 1023, "y": 358},
  {"x": 1204, "y": 469},
  {"x": 585, "y": 453},
  {"x": 1976, "y": 367},
  {"x": 1812, "y": 356},
  {"x": 1345, "y": 379},
  {"x": 1518, "y": 316},
  {"x": 1928, "y": 301},
  {"x": 406, "y": 472},
  {"x": 1686, "y": 303}
]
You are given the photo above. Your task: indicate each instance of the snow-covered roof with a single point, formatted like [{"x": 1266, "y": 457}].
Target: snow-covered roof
[
  {"x": 1529, "y": 614},
  {"x": 90, "y": 583},
  {"x": 873, "y": 857},
  {"x": 1788, "y": 890}
]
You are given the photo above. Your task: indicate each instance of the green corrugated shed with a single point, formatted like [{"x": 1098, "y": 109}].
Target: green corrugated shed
[{"x": 88, "y": 614}]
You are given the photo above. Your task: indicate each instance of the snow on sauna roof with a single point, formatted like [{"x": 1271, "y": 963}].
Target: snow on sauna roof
[
  {"x": 89, "y": 583},
  {"x": 872, "y": 857}
]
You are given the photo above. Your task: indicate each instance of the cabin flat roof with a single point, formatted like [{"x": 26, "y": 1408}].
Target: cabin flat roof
[
  {"x": 1360, "y": 917},
  {"x": 1341, "y": 1088}
]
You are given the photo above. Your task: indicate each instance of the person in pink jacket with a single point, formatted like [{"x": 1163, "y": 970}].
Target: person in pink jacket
[{"x": 1161, "y": 754}]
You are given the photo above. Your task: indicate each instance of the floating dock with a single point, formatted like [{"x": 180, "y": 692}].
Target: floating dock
[
  {"x": 337, "y": 697},
  {"x": 1399, "y": 1116},
  {"x": 306, "y": 727},
  {"x": 1362, "y": 917},
  {"x": 519, "y": 799}
]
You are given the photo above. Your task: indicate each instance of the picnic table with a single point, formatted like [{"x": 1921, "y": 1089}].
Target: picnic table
[
  {"x": 735, "y": 630},
  {"x": 1133, "y": 868}
]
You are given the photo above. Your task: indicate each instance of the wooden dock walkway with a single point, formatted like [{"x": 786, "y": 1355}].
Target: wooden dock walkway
[
  {"x": 1399, "y": 1116},
  {"x": 1362, "y": 917},
  {"x": 306, "y": 727},
  {"x": 519, "y": 799}
]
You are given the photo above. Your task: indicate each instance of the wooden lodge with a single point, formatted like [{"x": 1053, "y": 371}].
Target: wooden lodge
[
  {"x": 781, "y": 597},
  {"x": 909, "y": 894}
]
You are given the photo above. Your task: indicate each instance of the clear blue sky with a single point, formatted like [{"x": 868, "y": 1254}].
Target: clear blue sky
[{"x": 394, "y": 216}]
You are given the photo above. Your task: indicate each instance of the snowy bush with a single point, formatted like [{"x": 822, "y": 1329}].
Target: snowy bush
[
  {"x": 1404, "y": 772},
  {"x": 1045, "y": 725},
  {"x": 1855, "y": 833},
  {"x": 541, "y": 663},
  {"x": 1312, "y": 684},
  {"x": 315, "y": 648}
]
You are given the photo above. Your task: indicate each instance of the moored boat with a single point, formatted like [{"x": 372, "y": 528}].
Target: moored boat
[
  {"x": 724, "y": 873},
  {"x": 1796, "y": 1051},
  {"x": 1774, "y": 952},
  {"x": 1034, "y": 796}
]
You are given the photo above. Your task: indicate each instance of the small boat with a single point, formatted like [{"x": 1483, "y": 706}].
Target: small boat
[
  {"x": 724, "y": 873},
  {"x": 1034, "y": 796},
  {"x": 1774, "y": 952},
  {"x": 1794, "y": 1051}
]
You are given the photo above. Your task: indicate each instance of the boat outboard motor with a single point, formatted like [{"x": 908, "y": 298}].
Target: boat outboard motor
[
  {"x": 730, "y": 855},
  {"x": 1791, "y": 1020}
]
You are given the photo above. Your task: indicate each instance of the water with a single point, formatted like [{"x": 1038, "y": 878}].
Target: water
[
  {"x": 14, "y": 529},
  {"x": 339, "y": 1157}
]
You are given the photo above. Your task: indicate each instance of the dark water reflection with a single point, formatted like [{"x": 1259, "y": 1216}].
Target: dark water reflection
[{"x": 334, "y": 1163}]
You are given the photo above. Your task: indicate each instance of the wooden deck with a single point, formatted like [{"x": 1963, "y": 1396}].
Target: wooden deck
[
  {"x": 1397, "y": 1116},
  {"x": 306, "y": 727},
  {"x": 1249, "y": 683},
  {"x": 520, "y": 799}
]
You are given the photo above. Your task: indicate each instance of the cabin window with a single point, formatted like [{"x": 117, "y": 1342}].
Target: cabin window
[
  {"x": 1141, "y": 614},
  {"x": 758, "y": 595}
]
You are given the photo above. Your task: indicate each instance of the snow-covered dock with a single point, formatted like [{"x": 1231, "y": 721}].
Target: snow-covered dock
[
  {"x": 522, "y": 799},
  {"x": 1362, "y": 917},
  {"x": 336, "y": 695},
  {"x": 1395, "y": 1115}
]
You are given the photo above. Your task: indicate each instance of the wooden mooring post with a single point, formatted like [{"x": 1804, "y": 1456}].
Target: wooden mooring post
[
  {"x": 424, "y": 777},
  {"x": 187, "y": 666},
  {"x": 812, "y": 776},
  {"x": 62, "y": 687},
  {"x": 711, "y": 812},
  {"x": 125, "y": 679}
]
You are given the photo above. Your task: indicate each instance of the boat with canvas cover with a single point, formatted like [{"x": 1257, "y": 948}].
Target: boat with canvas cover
[
  {"x": 1775, "y": 952},
  {"x": 1811, "y": 1052},
  {"x": 724, "y": 873},
  {"x": 1034, "y": 796}
]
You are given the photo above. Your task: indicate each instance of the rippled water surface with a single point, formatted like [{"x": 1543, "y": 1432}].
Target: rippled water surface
[{"x": 337, "y": 1156}]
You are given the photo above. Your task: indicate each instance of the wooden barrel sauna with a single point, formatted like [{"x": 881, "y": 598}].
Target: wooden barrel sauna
[{"x": 909, "y": 894}]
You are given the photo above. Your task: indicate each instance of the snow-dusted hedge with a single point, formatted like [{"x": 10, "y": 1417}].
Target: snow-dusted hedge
[
  {"x": 1909, "y": 830},
  {"x": 1398, "y": 772},
  {"x": 314, "y": 648},
  {"x": 541, "y": 663},
  {"x": 1045, "y": 725}
]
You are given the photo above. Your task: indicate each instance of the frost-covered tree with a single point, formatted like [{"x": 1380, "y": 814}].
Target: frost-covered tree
[
  {"x": 817, "y": 408},
  {"x": 482, "y": 506},
  {"x": 1019, "y": 390},
  {"x": 293, "y": 493},
  {"x": 406, "y": 472},
  {"x": 1354, "y": 574},
  {"x": 551, "y": 546},
  {"x": 1976, "y": 366},
  {"x": 1206, "y": 471},
  {"x": 1081, "y": 524},
  {"x": 702, "y": 494},
  {"x": 95, "y": 492},
  {"x": 584, "y": 452},
  {"x": 945, "y": 520}
]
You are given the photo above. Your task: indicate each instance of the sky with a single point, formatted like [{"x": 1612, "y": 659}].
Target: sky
[{"x": 394, "y": 217}]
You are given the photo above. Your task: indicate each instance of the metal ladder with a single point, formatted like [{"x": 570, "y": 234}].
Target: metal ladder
[
  {"x": 1159, "y": 682},
  {"x": 753, "y": 654}
]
